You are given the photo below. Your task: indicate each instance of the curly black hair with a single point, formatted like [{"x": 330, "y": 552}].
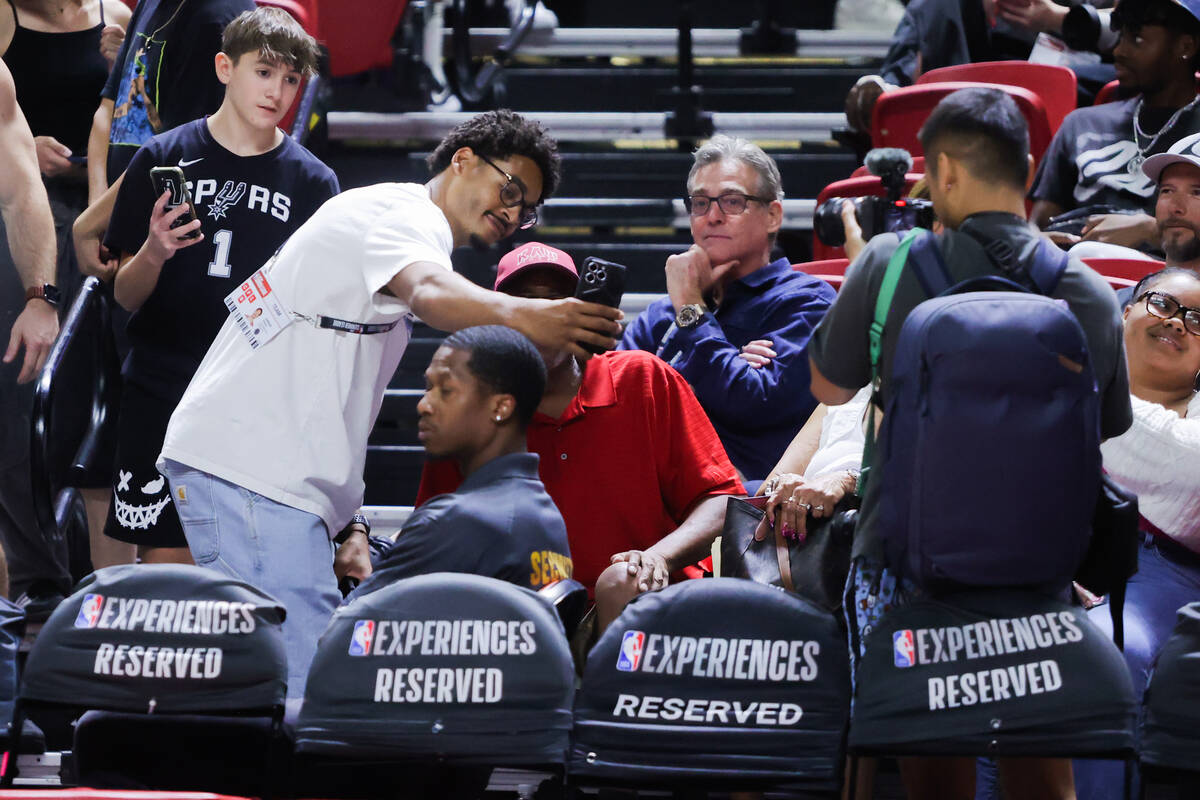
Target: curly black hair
[{"x": 501, "y": 134}]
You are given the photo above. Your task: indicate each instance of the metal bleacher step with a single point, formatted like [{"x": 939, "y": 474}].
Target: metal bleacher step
[
  {"x": 392, "y": 474},
  {"x": 584, "y": 42},
  {"x": 588, "y": 126},
  {"x": 753, "y": 88},
  {"x": 658, "y": 175}
]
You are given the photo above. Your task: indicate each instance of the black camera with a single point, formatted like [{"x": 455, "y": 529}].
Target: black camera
[{"x": 876, "y": 215}]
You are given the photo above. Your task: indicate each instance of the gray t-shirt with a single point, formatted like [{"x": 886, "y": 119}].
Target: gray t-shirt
[{"x": 839, "y": 347}]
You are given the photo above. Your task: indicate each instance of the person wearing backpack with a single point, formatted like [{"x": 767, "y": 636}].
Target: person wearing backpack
[{"x": 976, "y": 146}]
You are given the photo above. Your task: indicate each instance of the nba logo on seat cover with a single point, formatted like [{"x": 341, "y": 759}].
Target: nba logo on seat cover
[
  {"x": 902, "y": 648},
  {"x": 89, "y": 612},
  {"x": 631, "y": 651},
  {"x": 364, "y": 634}
]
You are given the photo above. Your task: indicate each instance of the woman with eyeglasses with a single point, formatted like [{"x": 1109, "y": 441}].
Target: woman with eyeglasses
[{"x": 1159, "y": 458}]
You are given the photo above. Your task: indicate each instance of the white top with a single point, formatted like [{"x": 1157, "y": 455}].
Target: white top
[
  {"x": 290, "y": 420},
  {"x": 1159, "y": 458},
  {"x": 842, "y": 437}
]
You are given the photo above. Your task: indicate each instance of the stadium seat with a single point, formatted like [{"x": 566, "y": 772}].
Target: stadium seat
[
  {"x": 459, "y": 669},
  {"x": 832, "y": 270},
  {"x": 167, "y": 659},
  {"x": 1054, "y": 84},
  {"x": 1170, "y": 749},
  {"x": 360, "y": 41},
  {"x": 996, "y": 673},
  {"x": 899, "y": 114},
  {"x": 570, "y": 600},
  {"x": 852, "y": 187},
  {"x": 714, "y": 684},
  {"x": 1107, "y": 93},
  {"x": 1132, "y": 269}
]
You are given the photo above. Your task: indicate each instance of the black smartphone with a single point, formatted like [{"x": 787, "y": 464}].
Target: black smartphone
[
  {"x": 171, "y": 179},
  {"x": 79, "y": 161},
  {"x": 601, "y": 282}
]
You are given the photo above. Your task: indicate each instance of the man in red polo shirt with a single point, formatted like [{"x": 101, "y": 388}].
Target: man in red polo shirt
[{"x": 627, "y": 454}]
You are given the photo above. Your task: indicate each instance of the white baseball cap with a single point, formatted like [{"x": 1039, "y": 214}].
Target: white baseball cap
[{"x": 1184, "y": 151}]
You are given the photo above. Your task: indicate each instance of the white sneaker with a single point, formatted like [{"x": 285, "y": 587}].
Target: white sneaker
[
  {"x": 543, "y": 18},
  {"x": 868, "y": 15},
  {"x": 445, "y": 100}
]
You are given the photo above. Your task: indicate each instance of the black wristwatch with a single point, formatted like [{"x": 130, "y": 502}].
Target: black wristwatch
[
  {"x": 357, "y": 519},
  {"x": 47, "y": 291}
]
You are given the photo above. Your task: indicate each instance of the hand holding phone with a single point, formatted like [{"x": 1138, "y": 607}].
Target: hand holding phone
[
  {"x": 171, "y": 179},
  {"x": 600, "y": 282}
]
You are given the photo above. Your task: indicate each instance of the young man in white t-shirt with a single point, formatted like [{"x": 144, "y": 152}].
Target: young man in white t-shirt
[{"x": 265, "y": 452}]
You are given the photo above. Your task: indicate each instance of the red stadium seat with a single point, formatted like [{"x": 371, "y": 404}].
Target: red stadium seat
[
  {"x": 829, "y": 266},
  {"x": 1107, "y": 93},
  {"x": 831, "y": 270},
  {"x": 359, "y": 35},
  {"x": 305, "y": 13},
  {"x": 918, "y": 166},
  {"x": 899, "y": 114},
  {"x": 1130, "y": 269},
  {"x": 1055, "y": 85},
  {"x": 852, "y": 187}
]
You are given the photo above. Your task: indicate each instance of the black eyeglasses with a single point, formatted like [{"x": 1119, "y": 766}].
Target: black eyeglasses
[
  {"x": 512, "y": 195},
  {"x": 1164, "y": 306},
  {"x": 731, "y": 203}
]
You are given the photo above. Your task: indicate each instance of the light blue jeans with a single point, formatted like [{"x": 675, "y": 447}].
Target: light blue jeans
[
  {"x": 1161, "y": 586},
  {"x": 279, "y": 549}
]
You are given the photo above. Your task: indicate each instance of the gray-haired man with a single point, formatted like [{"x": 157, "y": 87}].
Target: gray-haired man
[{"x": 735, "y": 323}]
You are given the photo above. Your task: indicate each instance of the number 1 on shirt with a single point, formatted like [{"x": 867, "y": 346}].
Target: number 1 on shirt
[{"x": 219, "y": 266}]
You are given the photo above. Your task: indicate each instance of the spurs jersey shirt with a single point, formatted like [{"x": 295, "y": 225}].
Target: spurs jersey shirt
[
  {"x": 1094, "y": 157},
  {"x": 248, "y": 207}
]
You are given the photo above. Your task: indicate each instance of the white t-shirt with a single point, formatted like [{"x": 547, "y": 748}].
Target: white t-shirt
[{"x": 290, "y": 420}]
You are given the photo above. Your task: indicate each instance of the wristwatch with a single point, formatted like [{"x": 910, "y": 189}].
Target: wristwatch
[
  {"x": 689, "y": 316},
  {"x": 358, "y": 519},
  {"x": 47, "y": 291}
]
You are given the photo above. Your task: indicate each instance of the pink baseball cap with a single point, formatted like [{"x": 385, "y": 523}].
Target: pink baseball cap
[{"x": 533, "y": 254}]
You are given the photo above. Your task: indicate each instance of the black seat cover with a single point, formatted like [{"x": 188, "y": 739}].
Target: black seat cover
[
  {"x": 165, "y": 638},
  {"x": 1003, "y": 672},
  {"x": 715, "y": 679},
  {"x": 1169, "y": 729},
  {"x": 461, "y": 666}
]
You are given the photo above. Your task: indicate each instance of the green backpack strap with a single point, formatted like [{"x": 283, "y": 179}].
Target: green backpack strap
[{"x": 883, "y": 304}]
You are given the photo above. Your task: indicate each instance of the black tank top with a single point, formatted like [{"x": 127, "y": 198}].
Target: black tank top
[{"x": 58, "y": 77}]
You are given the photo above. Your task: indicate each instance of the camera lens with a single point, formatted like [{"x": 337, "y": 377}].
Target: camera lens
[{"x": 827, "y": 222}]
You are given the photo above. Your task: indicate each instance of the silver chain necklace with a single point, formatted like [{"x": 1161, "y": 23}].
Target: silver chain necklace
[{"x": 1135, "y": 163}]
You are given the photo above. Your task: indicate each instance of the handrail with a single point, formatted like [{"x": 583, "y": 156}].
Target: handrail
[
  {"x": 48, "y": 512},
  {"x": 474, "y": 88}
]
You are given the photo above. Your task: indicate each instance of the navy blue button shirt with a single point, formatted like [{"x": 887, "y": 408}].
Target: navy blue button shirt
[
  {"x": 499, "y": 523},
  {"x": 756, "y": 412}
]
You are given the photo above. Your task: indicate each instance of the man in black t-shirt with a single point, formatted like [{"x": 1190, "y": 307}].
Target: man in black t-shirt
[
  {"x": 482, "y": 389},
  {"x": 1095, "y": 158},
  {"x": 977, "y": 164},
  {"x": 162, "y": 78}
]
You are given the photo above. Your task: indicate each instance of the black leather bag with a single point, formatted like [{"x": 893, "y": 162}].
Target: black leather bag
[
  {"x": 814, "y": 569},
  {"x": 1112, "y": 554}
]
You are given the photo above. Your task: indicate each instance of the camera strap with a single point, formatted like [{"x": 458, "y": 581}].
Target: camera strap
[{"x": 883, "y": 304}]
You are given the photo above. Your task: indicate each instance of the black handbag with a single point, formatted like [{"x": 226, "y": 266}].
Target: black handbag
[
  {"x": 815, "y": 569},
  {"x": 1112, "y": 555}
]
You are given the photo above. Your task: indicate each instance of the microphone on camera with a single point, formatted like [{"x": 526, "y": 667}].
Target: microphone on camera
[{"x": 890, "y": 164}]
